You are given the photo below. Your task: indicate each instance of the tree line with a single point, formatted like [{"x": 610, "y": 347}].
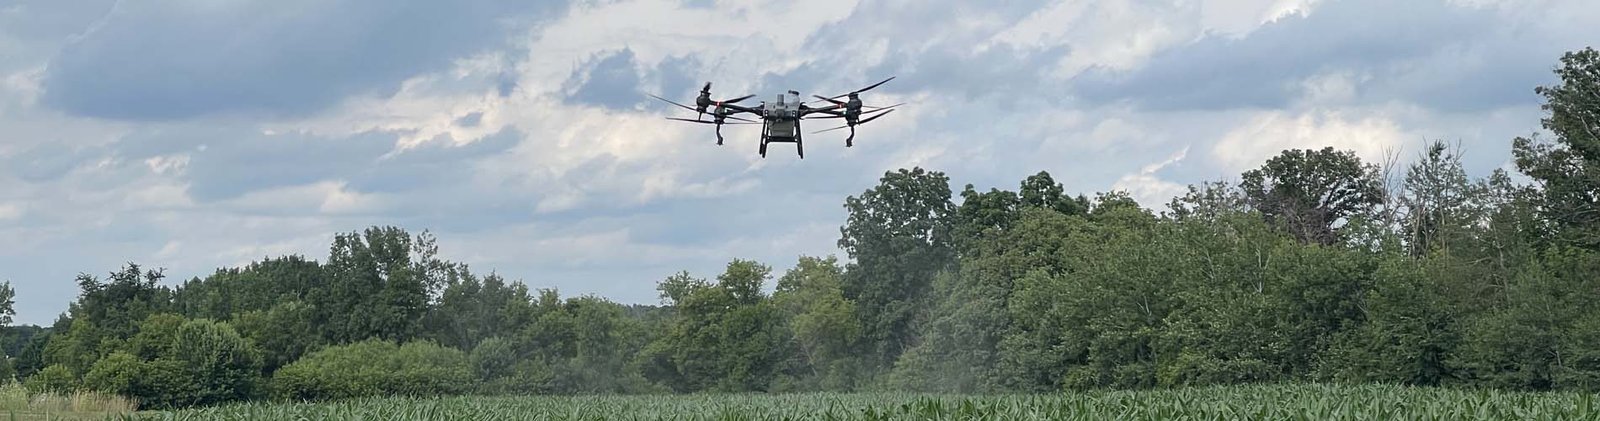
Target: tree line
[{"x": 1315, "y": 266}]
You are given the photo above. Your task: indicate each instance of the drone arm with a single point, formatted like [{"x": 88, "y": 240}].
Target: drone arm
[
  {"x": 829, "y": 110},
  {"x": 735, "y": 109}
]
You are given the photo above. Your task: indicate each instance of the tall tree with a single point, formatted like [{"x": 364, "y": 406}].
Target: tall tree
[
  {"x": 1311, "y": 192},
  {"x": 982, "y": 215},
  {"x": 726, "y": 336},
  {"x": 824, "y": 323},
  {"x": 470, "y": 311},
  {"x": 1569, "y": 169},
  {"x": 7, "y": 301},
  {"x": 380, "y": 283},
  {"x": 1040, "y": 190},
  {"x": 899, "y": 235},
  {"x": 1437, "y": 198}
]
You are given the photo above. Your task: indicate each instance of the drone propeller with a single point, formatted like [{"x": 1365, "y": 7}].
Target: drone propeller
[
  {"x": 858, "y": 123},
  {"x": 868, "y": 119},
  {"x": 736, "y": 100},
  {"x": 835, "y": 101},
  {"x": 868, "y": 88},
  {"x": 686, "y": 107},
  {"x": 874, "y": 110},
  {"x": 705, "y": 122}
]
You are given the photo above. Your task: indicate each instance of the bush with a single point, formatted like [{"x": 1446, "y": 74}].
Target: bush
[
  {"x": 56, "y": 378},
  {"x": 217, "y": 359},
  {"x": 119, "y": 373},
  {"x": 375, "y": 368}
]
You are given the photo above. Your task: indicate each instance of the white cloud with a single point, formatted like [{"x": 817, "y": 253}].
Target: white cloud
[
  {"x": 1372, "y": 137},
  {"x": 1149, "y": 189},
  {"x": 9, "y": 211},
  {"x": 168, "y": 164},
  {"x": 329, "y": 197}
]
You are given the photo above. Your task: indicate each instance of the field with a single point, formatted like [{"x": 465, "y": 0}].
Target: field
[{"x": 1294, "y": 402}]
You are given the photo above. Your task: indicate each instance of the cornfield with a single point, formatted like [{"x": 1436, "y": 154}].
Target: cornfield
[{"x": 1290, "y": 402}]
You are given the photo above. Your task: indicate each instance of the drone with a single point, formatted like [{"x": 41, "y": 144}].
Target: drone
[{"x": 780, "y": 119}]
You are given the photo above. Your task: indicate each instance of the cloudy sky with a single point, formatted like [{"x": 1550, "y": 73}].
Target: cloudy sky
[{"x": 198, "y": 135}]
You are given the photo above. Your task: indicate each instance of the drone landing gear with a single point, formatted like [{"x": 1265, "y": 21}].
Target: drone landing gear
[{"x": 799, "y": 145}]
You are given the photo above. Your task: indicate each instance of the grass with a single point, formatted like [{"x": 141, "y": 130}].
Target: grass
[
  {"x": 16, "y": 403},
  {"x": 1291, "y": 402}
]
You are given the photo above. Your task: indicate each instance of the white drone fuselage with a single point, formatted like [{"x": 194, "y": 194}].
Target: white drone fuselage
[{"x": 782, "y": 118}]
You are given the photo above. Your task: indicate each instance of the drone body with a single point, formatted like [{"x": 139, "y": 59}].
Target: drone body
[{"x": 780, "y": 119}]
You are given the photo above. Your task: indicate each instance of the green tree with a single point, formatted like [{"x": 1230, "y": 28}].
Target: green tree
[
  {"x": 1439, "y": 202},
  {"x": 470, "y": 310},
  {"x": 1040, "y": 190},
  {"x": 258, "y": 286},
  {"x": 1208, "y": 202},
  {"x": 30, "y": 359},
  {"x": 824, "y": 323},
  {"x": 1311, "y": 193},
  {"x": 120, "y": 373},
  {"x": 726, "y": 336},
  {"x": 1568, "y": 170},
  {"x": 283, "y": 333},
  {"x": 157, "y": 335},
  {"x": 380, "y": 283},
  {"x": 105, "y": 316},
  {"x": 7, "y": 302},
  {"x": 898, "y": 233},
  {"x": 579, "y": 345},
  {"x": 221, "y": 365},
  {"x": 1411, "y": 329},
  {"x": 982, "y": 215}
]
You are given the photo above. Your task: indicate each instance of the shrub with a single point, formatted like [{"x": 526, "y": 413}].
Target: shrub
[
  {"x": 375, "y": 368},
  {"x": 56, "y": 378},
  {"x": 119, "y": 373}
]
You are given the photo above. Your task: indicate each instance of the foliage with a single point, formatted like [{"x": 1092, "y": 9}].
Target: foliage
[
  {"x": 899, "y": 235},
  {"x": 824, "y": 325},
  {"x": 375, "y": 368},
  {"x": 53, "y": 379},
  {"x": 1311, "y": 192},
  {"x": 8, "y": 303},
  {"x": 726, "y": 336},
  {"x": 1568, "y": 170}
]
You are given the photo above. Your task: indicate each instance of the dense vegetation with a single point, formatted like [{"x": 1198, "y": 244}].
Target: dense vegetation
[
  {"x": 1314, "y": 267},
  {"x": 1259, "y": 402}
]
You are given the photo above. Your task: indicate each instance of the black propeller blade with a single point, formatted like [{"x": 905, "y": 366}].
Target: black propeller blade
[
  {"x": 875, "y": 85},
  {"x": 862, "y": 89},
  {"x": 736, "y": 100},
  {"x": 874, "y": 110},
  {"x": 829, "y": 130},
  {"x": 686, "y": 107},
  {"x": 830, "y": 99},
  {"x": 858, "y": 123},
  {"x": 702, "y": 121}
]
